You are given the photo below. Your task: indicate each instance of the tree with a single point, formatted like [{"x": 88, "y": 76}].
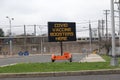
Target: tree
[{"x": 1, "y": 33}]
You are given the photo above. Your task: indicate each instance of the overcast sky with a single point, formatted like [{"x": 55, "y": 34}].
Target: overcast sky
[
  {"x": 29, "y": 12},
  {"x": 42, "y": 11}
]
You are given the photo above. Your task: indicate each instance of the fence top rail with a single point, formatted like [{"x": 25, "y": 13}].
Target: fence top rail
[{"x": 22, "y": 37}]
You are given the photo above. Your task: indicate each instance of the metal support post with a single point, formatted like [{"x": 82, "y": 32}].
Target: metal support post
[
  {"x": 114, "y": 61},
  {"x": 99, "y": 37},
  {"x": 34, "y": 30},
  {"x": 90, "y": 34},
  {"x": 25, "y": 38},
  {"x": 61, "y": 46}
]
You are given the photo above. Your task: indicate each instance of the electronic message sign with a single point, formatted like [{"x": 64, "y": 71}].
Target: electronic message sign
[{"x": 61, "y": 31}]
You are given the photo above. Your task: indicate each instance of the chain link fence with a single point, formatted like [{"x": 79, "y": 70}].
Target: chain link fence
[{"x": 33, "y": 38}]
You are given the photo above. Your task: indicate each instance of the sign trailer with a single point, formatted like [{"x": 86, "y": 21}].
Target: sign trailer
[{"x": 59, "y": 32}]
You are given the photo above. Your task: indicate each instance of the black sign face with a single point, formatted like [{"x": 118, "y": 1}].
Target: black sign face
[{"x": 61, "y": 31}]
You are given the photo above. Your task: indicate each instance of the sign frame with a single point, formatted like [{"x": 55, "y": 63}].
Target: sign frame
[{"x": 61, "y": 31}]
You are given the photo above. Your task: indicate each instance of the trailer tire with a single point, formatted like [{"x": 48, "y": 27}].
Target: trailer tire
[
  {"x": 53, "y": 60},
  {"x": 70, "y": 59}
]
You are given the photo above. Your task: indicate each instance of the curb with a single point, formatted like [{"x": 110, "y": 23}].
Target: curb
[{"x": 58, "y": 74}]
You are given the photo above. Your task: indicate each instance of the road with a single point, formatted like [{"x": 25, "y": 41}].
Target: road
[
  {"x": 87, "y": 77},
  {"x": 32, "y": 59}
]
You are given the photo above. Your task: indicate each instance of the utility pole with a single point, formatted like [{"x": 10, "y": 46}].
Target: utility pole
[
  {"x": 114, "y": 61},
  {"x": 102, "y": 21},
  {"x": 90, "y": 34},
  {"x": 119, "y": 20},
  {"x": 106, "y": 14}
]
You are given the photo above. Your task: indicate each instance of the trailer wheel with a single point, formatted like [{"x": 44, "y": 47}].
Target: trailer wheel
[
  {"x": 53, "y": 60},
  {"x": 70, "y": 59}
]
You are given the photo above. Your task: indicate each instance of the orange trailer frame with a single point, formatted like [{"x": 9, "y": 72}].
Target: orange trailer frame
[{"x": 65, "y": 56}]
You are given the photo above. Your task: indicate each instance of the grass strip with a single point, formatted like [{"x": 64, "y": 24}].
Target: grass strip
[{"x": 57, "y": 66}]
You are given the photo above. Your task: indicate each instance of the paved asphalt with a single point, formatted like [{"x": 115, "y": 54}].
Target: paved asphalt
[
  {"x": 86, "y": 77},
  {"x": 47, "y": 58},
  {"x": 37, "y": 58}
]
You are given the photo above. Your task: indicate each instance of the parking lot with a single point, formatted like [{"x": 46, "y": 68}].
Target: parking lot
[{"x": 36, "y": 58}]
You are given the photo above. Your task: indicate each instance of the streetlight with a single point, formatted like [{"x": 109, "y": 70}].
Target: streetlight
[{"x": 10, "y": 35}]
